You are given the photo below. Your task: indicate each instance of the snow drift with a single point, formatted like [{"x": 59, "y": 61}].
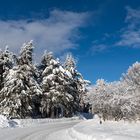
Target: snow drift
[{"x": 4, "y": 122}]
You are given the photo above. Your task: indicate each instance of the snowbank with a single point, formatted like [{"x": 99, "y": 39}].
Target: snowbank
[
  {"x": 33, "y": 122},
  {"x": 4, "y": 122},
  {"x": 84, "y": 116}
]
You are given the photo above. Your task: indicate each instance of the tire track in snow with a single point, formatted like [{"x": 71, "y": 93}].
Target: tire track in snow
[{"x": 38, "y": 132}]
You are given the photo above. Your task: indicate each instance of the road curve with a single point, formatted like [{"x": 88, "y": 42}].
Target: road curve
[{"x": 37, "y": 132}]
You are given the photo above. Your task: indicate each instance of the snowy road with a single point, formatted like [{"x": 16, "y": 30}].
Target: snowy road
[{"x": 37, "y": 132}]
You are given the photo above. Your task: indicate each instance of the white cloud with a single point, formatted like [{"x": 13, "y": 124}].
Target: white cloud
[
  {"x": 97, "y": 48},
  {"x": 130, "y": 35},
  {"x": 56, "y": 33}
]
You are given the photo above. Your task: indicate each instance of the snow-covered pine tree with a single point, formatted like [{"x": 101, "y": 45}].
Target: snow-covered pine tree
[
  {"x": 78, "y": 86},
  {"x": 6, "y": 63},
  {"x": 56, "y": 101},
  {"x": 20, "y": 97}
]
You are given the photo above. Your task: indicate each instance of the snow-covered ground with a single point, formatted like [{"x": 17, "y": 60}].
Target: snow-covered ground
[
  {"x": 33, "y": 129},
  {"x": 4, "y": 122},
  {"x": 107, "y": 131},
  {"x": 93, "y": 130},
  {"x": 68, "y": 129}
]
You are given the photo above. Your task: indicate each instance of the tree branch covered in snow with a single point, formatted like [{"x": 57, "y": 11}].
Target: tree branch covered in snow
[
  {"x": 49, "y": 90},
  {"x": 117, "y": 100}
]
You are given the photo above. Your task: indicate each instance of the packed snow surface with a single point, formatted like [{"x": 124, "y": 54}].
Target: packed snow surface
[
  {"x": 35, "y": 129},
  {"x": 93, "y": 130},
  {"x": 70, "y": 129}
]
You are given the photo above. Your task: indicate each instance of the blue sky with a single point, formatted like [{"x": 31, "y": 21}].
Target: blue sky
[{"x": 103, "y": 35}]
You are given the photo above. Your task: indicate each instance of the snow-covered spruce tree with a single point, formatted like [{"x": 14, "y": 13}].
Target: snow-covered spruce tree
[
  {"x": 56, "y": 100},
  {"x": 77, "y": 85},
  {"x": 20, "y": 96},
  {"x": 6, "y": 63}
]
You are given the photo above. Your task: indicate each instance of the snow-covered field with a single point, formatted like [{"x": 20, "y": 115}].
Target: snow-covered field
[
  {"x": 68, "y": 129},
  {"x": 93, "y": 130}
]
